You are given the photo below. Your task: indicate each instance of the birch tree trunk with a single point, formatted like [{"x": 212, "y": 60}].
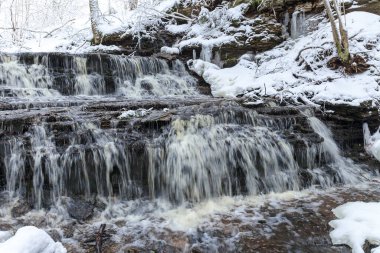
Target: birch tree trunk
[{"x": 95, "y": 16}]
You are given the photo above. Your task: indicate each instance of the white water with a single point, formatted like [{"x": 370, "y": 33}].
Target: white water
[
  {"x": 133, "y": 77},
  {"x": 231, "y": 153},
  {"x": 24, "y": 81}
]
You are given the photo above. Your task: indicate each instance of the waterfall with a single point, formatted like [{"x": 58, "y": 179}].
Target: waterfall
[
  {"x": 203, "y": 160},
  {"x": 93, "y": 162},
  {"x": 85, "y": 83},
  {"x": 58, "y": 75},
  {"x": 233, "y": 151},
  {"x": 25, "y": 81},
  {"x": 297, "y": 27},
  {"x": 206, "y": 156},
  {"x": 136, "y": 77}
]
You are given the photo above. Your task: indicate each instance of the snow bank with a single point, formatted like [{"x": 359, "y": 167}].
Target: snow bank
[
  {"x": 226, "y": 82},
  {"x": 31, "y": 240},
  {"x": 277, "y": 73},
  {"x": 356, "y": 223}
]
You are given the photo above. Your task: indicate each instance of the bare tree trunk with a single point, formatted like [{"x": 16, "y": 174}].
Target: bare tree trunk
[
  {"x": 95, "y": 16},
  {"x": 345, "y": 57},
  {"x": 340, "y": 37}
]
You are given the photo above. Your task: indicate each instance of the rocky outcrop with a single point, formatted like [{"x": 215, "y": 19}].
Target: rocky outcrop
[{"x": 346, "y": 123}]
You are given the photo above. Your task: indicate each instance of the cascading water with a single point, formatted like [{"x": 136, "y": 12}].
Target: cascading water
[
  {"x": 93, "y": 162},
  {"x": 17, "y": 80},
  {"x": 75, "y": 75},
  {"x": 138, "y": 77},
  {"x": 229, "y": 153},
  {"x": 85, "y": 83},
  {"x": 201, "y": 159},
  {"x": 206, "y": 156}
]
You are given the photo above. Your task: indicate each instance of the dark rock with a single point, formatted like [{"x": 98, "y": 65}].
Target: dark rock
[
  {"x": 21, "y": 208},
  {"x": 55, "y": 235},
  {"x": 80, "y": 209}
]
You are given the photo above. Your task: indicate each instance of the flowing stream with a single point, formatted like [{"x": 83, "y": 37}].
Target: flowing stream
[{"x": 133, "y": 143}]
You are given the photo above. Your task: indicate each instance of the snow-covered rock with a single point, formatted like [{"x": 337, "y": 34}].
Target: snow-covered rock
[
  {"x": 31, "y": 240},
  {"x": 356, "y": 223},
  {"x": 169, "y": 50},
  {"x": 277, "y": 72},
  {"x": 372, "y": 142}
]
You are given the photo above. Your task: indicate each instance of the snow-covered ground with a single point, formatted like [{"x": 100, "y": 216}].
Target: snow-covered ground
[
  {"x": 29, "y": 240},
  {"x": 277, "y": 72}
]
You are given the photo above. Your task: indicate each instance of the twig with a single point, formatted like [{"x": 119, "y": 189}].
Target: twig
[
  {"x": 81, "y": 46},
  {"x": 23, "y": 29},
  {"x": 353, "y": 36},
  {"x": 49, "y": 33}
]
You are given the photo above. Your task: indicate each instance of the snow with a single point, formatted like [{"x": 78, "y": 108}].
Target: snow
[
  {"x": 31, "y": 240},
  {"x": 277, "y": 73},
  {"x": 357, "y": 222},
  {"x": 5, "y": 235},
  {"x": 226, "y": 82},
  {"x": 212, "y": 27},
  {"x": 169, "y": 50},
  {"x": 141, "y": 112}
]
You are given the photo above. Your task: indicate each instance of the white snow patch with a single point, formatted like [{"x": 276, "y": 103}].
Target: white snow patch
[
  {"x": 31, "y": 240},
  {"x": 357, "y": 222}
]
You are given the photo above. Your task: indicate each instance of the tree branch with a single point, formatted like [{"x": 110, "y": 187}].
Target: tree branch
[{"x": 49, "y": 33}]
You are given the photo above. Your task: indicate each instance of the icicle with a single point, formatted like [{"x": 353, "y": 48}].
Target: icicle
[
  {"x": 285, "y": 26},
  {"x": 206, "y": 53},
  {"x": 297, "y": 24}
]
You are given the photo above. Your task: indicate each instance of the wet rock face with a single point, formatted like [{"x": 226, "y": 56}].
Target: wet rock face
[
  {"x": 346, "y": 123},
  {"x": 88, "y": 149},
  {"x": 21, "y": 208}
]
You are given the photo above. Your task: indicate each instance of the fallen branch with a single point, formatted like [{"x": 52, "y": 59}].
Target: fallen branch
[
  {"x": 306, "y": 48},
  {"x": 99, "y": 238}
]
